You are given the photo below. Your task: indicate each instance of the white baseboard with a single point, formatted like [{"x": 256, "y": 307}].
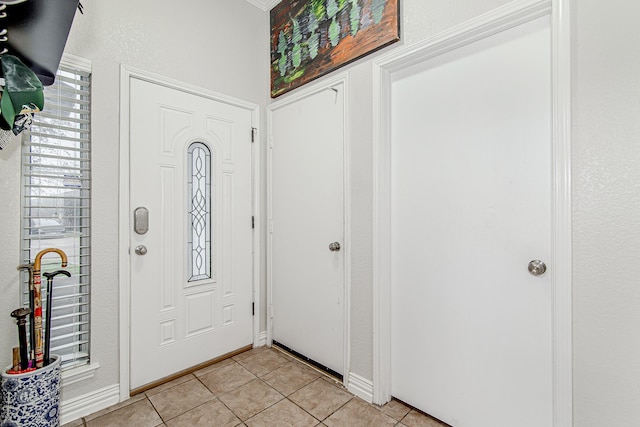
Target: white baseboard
[
  {"x": 81, "y": 406},
  {"x": 262, "y": 339},
  {"x": 361, "y": 387},
  {"x": 81, "y": 373}
]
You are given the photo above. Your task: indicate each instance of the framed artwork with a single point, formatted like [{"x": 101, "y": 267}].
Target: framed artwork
[{"x": 311, "y": 38}]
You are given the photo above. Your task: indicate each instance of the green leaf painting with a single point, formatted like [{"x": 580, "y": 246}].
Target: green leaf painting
[
  {"x": 296, "y": 39},
  {"x": 319, "y": 9},
  {"x": 313, "y": 44},
  {"x": 332, "y": 8},
  {"x": 334, "y": 32},
  {"x": 313, "y": 22},
  {"x": 377, "y": 10},
  {"x": 282, "y": 50},
  {"x": 311, "y": 38},
  {"x": 296, "y": 55},
  {"x": 355, "y": 14}
]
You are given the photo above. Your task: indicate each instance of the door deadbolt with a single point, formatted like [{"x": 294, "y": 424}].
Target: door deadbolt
[
  {"x": 141, "y": 220},
  {"x": 141, "y": 250},
  {"x": 334, "y": 247}
]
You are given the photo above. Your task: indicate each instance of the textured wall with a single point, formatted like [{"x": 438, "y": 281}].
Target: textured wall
[
  {"x": 606, "y": 218},
  {"x": 9, "y": 248},
  {"x": 214, "y": 44},
  {"x": 424, "y": 18}
]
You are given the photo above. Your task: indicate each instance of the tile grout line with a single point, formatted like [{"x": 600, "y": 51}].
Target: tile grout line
[
  {"x": 322, "y": 420},
  {"x": 229, "y": 391},
  {"x": 215, "y": 397},
  {"x": 325, "y": 418},
  {"x": 265, "y": 383},
  {"x": 321, "y": 377},
  {"x": 154, "y": 407},
  {"x": 290, "y": 361},
  {"x": 220, "y": 400},
  {"x": 261, "y": 378}
]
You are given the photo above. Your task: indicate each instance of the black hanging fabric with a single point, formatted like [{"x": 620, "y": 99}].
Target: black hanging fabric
[{"x": 37, "y": 32}]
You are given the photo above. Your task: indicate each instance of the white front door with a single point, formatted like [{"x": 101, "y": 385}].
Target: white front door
[
  {"x": 471, "y": 207},
  {"x": 191, "y": 272},
  {"x": 307, "y": 216}
]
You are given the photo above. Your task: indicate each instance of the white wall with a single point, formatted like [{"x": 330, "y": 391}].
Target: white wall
[
  {"x": 214, "y": 44},
  {"x": 606, "y": 213},
  {"x": 9, "y": 248}
]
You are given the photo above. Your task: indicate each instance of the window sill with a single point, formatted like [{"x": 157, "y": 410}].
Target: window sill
[{"x": 81, "y": 373}]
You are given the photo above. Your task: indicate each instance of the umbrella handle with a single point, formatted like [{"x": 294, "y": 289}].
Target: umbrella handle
[
  {"x": 32, "y": 330},
  {"x": 47, "y": 332},
  {"x": 37, "y": 297},
  {"x": 20, "y": 315}
]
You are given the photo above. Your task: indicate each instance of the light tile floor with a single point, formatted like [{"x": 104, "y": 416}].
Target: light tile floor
[{"x": 261, "y": 387}]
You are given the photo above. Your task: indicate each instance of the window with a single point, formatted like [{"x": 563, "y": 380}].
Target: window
[
  {"x": 199, "y": 190},
  {"x": 56, "y": 205}
]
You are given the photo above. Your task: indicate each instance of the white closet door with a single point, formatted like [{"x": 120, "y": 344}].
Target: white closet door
[
  {"x": 307, "y": 215},
  {"x": 471, "y": 206}
]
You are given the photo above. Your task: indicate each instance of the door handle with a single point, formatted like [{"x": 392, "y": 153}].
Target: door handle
[
  {"x": 141, "y": 250},
  {"x": 334, "y": 247},
  {"x": 537, "y": 267}
]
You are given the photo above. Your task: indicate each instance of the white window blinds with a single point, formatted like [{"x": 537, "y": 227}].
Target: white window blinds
[{"x": 56, "y": 205}]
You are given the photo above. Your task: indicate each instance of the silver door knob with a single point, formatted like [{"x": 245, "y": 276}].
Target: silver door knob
[
  {"x": 537, "y": 267},
  {"x": 141, "y": 250},
  {"x": 334, "y": 247}
]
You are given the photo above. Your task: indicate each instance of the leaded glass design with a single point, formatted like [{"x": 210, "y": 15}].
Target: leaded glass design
[{"x": 199, "y": 233}]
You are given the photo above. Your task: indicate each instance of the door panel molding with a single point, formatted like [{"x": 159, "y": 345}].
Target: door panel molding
[
  {"x": 500, "y": 19},
  {"x": 126, "y": 75},
  {"x": 341, "y": 79}
]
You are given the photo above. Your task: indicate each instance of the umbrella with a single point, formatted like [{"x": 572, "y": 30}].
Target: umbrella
[{"x": 37, "y": 300}]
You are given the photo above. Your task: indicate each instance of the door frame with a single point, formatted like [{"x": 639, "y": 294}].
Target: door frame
[
  {"x": 502, "y": 18},
  {"x": 126, "y": 74},
  {"x": 312, "y": 89}
]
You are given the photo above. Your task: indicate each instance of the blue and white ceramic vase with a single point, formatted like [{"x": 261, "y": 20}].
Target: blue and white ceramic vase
[{"x": 33, "y": 398}]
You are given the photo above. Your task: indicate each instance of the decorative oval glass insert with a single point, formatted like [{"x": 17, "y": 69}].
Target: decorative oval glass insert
[{"x": 199, "y": 215}]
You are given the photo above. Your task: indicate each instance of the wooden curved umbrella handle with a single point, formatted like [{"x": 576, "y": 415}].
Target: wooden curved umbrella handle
[{"x": 37, "y": 301}]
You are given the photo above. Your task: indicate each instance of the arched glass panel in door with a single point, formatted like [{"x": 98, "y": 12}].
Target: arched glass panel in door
[{"x": 199, "y": 205}]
